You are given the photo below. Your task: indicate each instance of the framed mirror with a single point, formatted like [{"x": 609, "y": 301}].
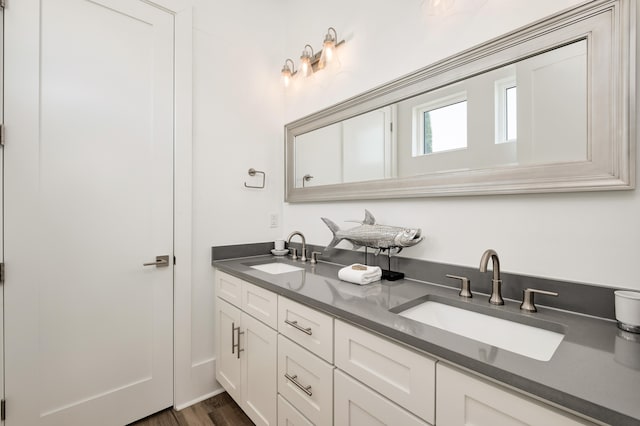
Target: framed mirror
[{"x": 547, "y": 108}]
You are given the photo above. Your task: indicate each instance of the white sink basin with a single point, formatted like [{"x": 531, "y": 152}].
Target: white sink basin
[
  {"x": 533, "y": 342},
  {"x": 276, "y": 268}
]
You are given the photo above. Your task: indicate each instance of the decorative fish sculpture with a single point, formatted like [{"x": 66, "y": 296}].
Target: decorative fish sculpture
[{"x": 370, "y": 234}]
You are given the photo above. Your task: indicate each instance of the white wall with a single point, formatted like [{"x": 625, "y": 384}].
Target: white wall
[
  {"x": 584, "y": 237},
  {"x": 237, "y": 124},
  {"x": 240, "y": 109}
]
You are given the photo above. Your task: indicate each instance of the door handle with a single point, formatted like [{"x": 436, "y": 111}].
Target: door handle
[{"x": 160, "y": 261}]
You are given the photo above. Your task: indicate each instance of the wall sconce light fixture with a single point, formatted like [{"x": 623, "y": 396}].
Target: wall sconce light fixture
[
  {"x": 288, "y": 72},
  {"x": 310, "y": 61},
  {"x": 306, "y": 68}
]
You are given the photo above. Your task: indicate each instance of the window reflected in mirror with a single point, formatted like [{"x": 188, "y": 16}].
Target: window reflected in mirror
[{"x": 440, "y": 125}]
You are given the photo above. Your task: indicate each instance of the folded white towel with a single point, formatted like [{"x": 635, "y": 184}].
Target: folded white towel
[{"x": 362, "y": 274}]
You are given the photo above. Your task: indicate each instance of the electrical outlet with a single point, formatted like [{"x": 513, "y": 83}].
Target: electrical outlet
[{"x": 273, "y": 220}]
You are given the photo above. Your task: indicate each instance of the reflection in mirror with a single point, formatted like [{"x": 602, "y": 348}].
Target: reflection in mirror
[
  {"x": 358, "y": 149},
  {"x": 440, "y": 125},
  {"x": 546, "y": 108},
  {"x": 531, "y": 112},
  {"x": 527, "y": 113}
]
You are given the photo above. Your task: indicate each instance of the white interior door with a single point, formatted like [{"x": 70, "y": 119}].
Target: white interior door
[
  {"x": 1, "y": 201},
  {"x": 88, "y": 200}
]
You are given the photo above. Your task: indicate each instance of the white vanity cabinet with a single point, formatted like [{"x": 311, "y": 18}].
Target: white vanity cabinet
[
  {"x": 247, "y": 347},
  {"x": 463, "y": 398},
  {"x": 276, "y": 357}
]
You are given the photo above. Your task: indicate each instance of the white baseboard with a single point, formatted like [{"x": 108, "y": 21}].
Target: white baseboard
[
  {"x": 196, "y": 384},
  {"x": 198, "y": 399}
]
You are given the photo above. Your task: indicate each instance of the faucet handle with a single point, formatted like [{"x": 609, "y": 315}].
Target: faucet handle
[
  {"x": 465, "y": 285},
  {"x": 294, "y": 253},
  {"x": 314, "y": 257},
  {"x": 527, "y": 298}
]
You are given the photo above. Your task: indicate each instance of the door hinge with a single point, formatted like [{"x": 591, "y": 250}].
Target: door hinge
[
  {"x": 1, "y": 131},
  {"x": 2, "y": 4},
  {"x": 3, "y": 409},
  {"x": 1, "y": 273}
]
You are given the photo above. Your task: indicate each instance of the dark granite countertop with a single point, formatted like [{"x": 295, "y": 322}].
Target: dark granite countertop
[{"x": 595, "y": 370}]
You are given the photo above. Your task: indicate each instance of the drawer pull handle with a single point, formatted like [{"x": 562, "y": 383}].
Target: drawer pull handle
[
  {"x": 295, "y": 325},
  {"x": 235, "y": 345},
  {"x": 233, "y": 340},
  {"x": 292, "y": 379},
  {"x": 239, "y": 349}
]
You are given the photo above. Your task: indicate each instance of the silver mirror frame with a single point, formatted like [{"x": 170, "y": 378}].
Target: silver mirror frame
[{"x": 608, "y": 26}]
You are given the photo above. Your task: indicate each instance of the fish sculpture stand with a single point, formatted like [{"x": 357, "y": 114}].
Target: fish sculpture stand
[{"x": 376, "y": 236}]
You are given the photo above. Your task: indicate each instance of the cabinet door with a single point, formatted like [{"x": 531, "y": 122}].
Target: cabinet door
[
  {"x": 357, "y": 405},
  {"x": 259, "y": 368},
  {"x": 228, "y": 320},
  {"x": 462, "y": 399}
]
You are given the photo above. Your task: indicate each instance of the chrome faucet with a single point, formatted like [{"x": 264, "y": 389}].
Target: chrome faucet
[
  {"x": 303, "y": 257},
  {"x": 496, "y": 282}
]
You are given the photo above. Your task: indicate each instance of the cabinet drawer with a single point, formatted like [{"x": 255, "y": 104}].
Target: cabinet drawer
[
  {"x": 260, "y": 303},
  {"x": 229, "y": 288},
  {"x": 307, "y": 327},
  {"x": 402, "y": 375},
  {"x": 289, "y": 416},
  {"x": 306, "y": 381},
  {"x": 466, "y": 399},
  {"x": 357, "y": 405}
]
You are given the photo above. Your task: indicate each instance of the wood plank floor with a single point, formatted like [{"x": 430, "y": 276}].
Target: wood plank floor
[{"x": 219, "y": 410}]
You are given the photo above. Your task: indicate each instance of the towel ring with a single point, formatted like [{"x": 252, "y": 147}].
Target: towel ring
[{"x": 253, "y": 172}]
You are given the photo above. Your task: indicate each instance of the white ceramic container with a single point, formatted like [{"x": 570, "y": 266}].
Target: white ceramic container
[
  {"x": 628, "y": 310},
  {"x": 278, "y": 244}
]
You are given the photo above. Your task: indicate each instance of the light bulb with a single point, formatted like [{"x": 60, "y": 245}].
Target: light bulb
[
  {"x": 286, "y": 73},
  {"x": 286, "y": 79},
  {"x": 328, "y": 47},
  {"x": 305, "y": 62}
]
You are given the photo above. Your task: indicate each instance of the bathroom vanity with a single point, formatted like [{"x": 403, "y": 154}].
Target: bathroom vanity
[{"x": 298, "y": 346}]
